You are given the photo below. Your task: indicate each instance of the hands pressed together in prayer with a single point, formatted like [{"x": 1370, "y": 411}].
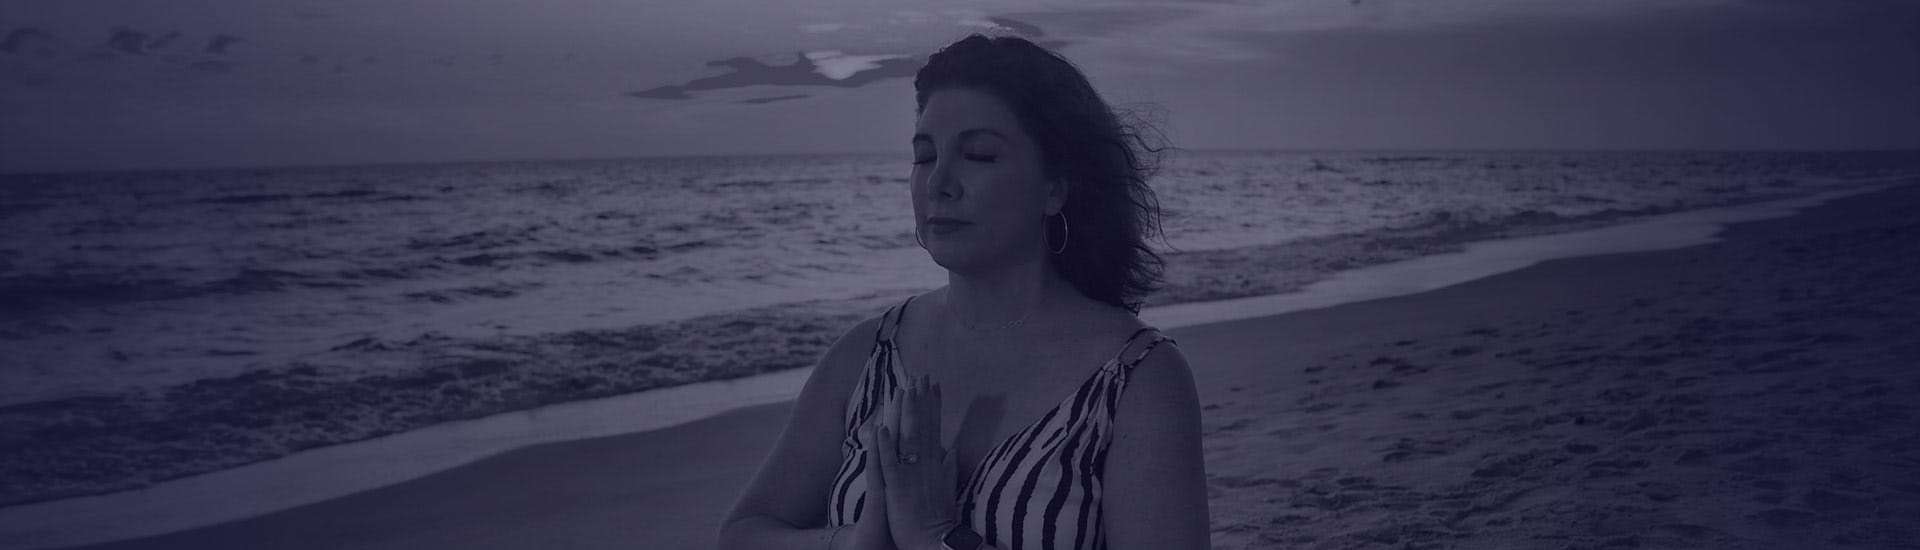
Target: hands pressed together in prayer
[{"x": 908, "y": 473}]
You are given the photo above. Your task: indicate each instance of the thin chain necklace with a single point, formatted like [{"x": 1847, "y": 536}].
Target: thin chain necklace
[{"x": 1003, "y": 326}]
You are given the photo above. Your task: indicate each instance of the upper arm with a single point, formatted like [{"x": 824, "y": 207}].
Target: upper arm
[
  {"x": 792, "y": 484},
  {"x": 1156, "y": 481}
]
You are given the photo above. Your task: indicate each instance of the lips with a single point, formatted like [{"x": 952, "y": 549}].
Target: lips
[{"x": 943, "y": 226}]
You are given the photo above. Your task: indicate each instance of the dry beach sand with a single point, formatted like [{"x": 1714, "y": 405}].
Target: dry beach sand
[{"x": 1753, "y": 393}]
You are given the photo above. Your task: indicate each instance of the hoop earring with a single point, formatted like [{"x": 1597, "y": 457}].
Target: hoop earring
[
  {"x": 916, "y": 238},
  {"x": 1065, "y": 232}
]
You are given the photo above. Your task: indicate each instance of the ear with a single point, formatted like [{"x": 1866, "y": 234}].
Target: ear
[{"x": 1057, "y": 191}]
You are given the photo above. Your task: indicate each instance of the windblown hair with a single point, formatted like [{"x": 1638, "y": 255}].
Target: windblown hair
[{"x": 1084, "y": 142}]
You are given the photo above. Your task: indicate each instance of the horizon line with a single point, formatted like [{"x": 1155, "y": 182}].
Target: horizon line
[{"x": 1168, "y": 151}]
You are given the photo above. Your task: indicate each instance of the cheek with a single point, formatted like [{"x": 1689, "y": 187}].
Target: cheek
[{"x": 917, "y": 190}]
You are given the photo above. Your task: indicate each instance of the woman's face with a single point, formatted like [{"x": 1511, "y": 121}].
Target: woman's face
[{"x": 973, "y": 163}]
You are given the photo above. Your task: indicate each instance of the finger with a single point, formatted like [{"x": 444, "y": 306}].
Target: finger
[
  {"x": 893, "y": 416},
  {"x": 927, "y": 418},
  {"x": 921, "y": 421},
  {"x": 889, "y": 453},
  {"x": 882, "y": 451},
  {"x": 934, "y": 414},
  {"x": 884, "y": 415},
  {"x": 949, "y": 476},
  {"x": 909, "y": 425}
]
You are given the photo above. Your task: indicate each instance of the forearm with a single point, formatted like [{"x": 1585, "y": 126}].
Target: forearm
[{"x": 762, "y": 532}]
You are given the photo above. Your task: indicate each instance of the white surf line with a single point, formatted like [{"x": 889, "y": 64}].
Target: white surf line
[
  {"x": 1487, "y": 258},
  {"x": 331, "y": 472}
]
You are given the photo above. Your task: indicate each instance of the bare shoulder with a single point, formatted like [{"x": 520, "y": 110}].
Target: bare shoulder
[
  {"x": 1162, "y": 376},
  {"x": 1157, "y": 484},
  {"x": 1160, "y": 392}
]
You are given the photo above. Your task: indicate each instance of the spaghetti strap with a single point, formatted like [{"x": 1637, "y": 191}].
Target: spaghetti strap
[
  {"x": 1040, "y": 487},
  {"x": 1142, "y": 356},
  {"x": 902, "y": 312}
]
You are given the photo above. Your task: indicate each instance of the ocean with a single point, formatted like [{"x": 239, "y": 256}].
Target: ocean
[{"x": 163, "y": 324}]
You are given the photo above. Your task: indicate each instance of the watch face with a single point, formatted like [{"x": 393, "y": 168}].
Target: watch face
[{"x": 962, "y": 538}]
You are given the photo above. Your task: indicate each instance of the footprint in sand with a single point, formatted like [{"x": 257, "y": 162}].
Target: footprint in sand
[
  {"x": 1321, "y": 407},
  {"x": 1233, "y": 426},
  {"x": 1288, "y": 433},
  {"x": 1509, "y": 465},
  {"x": 1623, "y": 394},
  {"x": 1613, "y": 468},
  {"x": 1659, "y": 491},
  {"x": 1469, "y": 414},
  {"x": 1411, "y": 449}
]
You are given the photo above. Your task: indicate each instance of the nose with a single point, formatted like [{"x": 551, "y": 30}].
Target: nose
[{"x": 943, "y": 183}]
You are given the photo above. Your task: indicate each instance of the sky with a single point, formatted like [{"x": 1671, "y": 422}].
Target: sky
[{"x": 137, "y": 84}]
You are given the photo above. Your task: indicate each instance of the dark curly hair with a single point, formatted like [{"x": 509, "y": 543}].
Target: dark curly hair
[{"x": 1104, "y": 159}]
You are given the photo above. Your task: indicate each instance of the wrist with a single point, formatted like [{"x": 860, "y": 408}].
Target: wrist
[{"x": 833, "y": 537}]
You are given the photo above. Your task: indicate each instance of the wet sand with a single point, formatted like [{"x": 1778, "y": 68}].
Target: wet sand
[{"x": 1753, "y": 393}]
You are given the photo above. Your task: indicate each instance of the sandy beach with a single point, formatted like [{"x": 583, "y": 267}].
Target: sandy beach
[{"x": 1751, "y": 393}]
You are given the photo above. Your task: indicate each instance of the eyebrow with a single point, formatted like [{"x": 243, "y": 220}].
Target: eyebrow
[{"x": 964, "y": 134}]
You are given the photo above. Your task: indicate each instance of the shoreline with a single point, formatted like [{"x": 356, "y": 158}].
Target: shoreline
[
  {"x": 354, "y": 386},
  {"x": 1354, "y": 286},
  {"x": 1561, "y": 405}
]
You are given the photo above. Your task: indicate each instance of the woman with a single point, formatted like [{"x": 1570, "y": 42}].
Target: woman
[{"x": 953, "y": 431}]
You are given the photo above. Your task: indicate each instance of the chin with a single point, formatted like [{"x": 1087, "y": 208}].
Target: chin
[
  {"x": 961, "y": 258},
  {"x": 953, "y": 260},
  {"x": 955, "y": 256}
]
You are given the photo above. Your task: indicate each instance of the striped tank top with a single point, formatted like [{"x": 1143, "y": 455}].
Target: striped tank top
[{"x": 1038, "y": 489}]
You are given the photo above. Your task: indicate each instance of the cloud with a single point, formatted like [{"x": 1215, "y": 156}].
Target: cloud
[
  {"x": 821, "y": 28},
  {"x": 162, "y": 41},
  {"x": 134, "y": 42},
  {"x": 839, "y": 66},
  {"x": 128, "y": 41},
  {"x": 221, "y": 42},
  {"x": 1021, "y": 27},
  {"x": 30, "y": 39},
  {"x": 760, "y": 100},
  {"x": 821, "y": 68}
]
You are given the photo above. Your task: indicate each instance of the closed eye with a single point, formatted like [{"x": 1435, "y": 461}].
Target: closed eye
[{"x": 975, "y": 158}]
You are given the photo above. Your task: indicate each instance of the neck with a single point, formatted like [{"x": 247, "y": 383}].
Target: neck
[{"x": 990, "y": 299}]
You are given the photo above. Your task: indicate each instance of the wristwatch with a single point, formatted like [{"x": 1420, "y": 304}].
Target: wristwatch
[{"x": 961, "y": 538}]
